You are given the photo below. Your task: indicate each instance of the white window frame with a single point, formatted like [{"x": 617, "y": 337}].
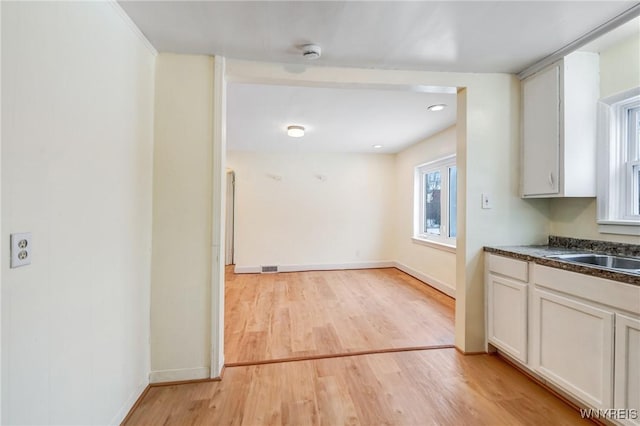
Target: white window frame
[
  {"x": 632, "y": 165},
  {"x": 617, "y": 158},
  {"x": 442, "y": 241}
]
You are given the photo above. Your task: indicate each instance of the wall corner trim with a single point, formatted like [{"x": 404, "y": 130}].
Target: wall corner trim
[{"x": 132, "y": 25}]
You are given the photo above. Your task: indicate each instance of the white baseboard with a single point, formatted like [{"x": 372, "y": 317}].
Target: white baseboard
[
  {"x": 319, "y": 267},
  {"x": 178, "y": 375},
  {"x": 429, "y": 280},
  {"x": 126, "y": 407},
  {"x": 246, "y": 269}
]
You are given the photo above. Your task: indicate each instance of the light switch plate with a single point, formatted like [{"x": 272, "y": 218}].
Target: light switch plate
[
  {"x": 21, "y": 249},
  {"x": 486, "y": 201}
]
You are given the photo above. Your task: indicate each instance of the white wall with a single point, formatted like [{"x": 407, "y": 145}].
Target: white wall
[
  {"x": 77, "y": 123},
  {"x": 620, "y": 67},
  {"x": 182, "y": 214},
  {"x": 434, "y": 266},
  {"x": 362, "y": 214},
  {"x": 489, "y": 162},
  {"x": 302, "y": 220},
  {"x": 576, "y": 217}
]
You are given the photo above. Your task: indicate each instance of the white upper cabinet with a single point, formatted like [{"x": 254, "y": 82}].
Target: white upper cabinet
[
  {"x": 541, "y": 132},
  {"x": 559, "y": 128}
]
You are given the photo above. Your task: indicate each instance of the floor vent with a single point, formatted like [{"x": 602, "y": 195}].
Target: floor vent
[{"x": 269, "y": 269}]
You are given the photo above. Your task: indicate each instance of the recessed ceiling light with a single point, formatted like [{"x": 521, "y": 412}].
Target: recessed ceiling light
[
  {"x": 377, "y": 146},
  {"x": 295, "y": 131},
  {"x": 436, "y": 107}
]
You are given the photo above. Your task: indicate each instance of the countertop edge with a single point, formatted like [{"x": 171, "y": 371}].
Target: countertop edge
[{"x": 559, "y": 264}]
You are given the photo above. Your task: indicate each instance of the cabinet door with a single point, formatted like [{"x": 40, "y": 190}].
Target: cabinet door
[
  {"x": 573, "y": 347},
  {"x": 627, "y": 366},
  {"x": 541, "y": 133},
  {"x": 507, "y": 316}
]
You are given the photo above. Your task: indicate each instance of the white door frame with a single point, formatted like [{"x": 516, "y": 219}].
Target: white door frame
[
  {"x": 2, "y": 252},
  {"x": 218, "y": 213}
]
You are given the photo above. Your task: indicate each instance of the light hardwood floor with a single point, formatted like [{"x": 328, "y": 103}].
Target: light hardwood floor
[
  {"x": 306, "y": 314},
  {"x": 321, "y": 314},
  {"x": 428, "y": 387}
]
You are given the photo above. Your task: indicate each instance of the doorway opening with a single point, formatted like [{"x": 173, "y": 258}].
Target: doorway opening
[{"x": 305, "y": 208}]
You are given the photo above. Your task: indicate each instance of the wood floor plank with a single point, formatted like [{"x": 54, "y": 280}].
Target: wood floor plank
[
  {"x": 319, "y": 314},
  {"x": 287, "y": 315},
  {"x": 432, "y": 387}
]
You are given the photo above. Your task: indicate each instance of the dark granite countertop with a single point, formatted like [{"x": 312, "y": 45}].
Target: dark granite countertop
[{"x": 537, "y": 254}]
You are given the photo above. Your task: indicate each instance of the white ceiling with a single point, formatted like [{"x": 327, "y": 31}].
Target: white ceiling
[
  {"x": 336, "y": 120},
  {"x": 466, "y": 36},
  {"x": 475, "y": 36}
]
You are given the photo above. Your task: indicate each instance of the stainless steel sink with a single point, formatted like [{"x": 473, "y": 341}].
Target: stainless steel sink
[{"x": 603, "y": 260}]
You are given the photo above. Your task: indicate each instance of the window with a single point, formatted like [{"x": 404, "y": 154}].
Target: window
[
  {"x": 435, "y": 200},
  {"x": 619, "y": 163}
]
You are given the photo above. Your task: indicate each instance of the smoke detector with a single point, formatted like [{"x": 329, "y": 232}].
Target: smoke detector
[{"x": 311, "y": 51}]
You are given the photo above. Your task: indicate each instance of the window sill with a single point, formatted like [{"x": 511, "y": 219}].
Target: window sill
[
  {"x": 434, "y": 244},
  {"x": 619, "y": 227}
]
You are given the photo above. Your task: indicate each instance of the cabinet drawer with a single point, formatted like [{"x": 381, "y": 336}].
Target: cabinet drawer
[
  {"x": 512, "y": 268},
  {"x": 600, "y": 290}
]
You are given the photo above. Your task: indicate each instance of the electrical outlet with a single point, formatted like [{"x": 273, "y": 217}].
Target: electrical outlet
[{"x": 21, "y": 249}]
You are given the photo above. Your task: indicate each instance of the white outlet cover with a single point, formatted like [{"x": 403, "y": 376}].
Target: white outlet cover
[{"x": 21, "y": 249}]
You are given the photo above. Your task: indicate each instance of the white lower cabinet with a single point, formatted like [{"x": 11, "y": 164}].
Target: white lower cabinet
[
  {"x": 579, "y": 332},
  {"x": 627, "y": 367},
  {"x": 572, "y": 346},
  {"x": 507, "y": 316}
]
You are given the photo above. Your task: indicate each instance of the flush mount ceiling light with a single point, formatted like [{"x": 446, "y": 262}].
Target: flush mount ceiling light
[
  {"x": 311, "y": 51},
  {"x": 295, "y": 131},
  {"x": 377, "y": 146},
  {"x": 436, "y": 107}
]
